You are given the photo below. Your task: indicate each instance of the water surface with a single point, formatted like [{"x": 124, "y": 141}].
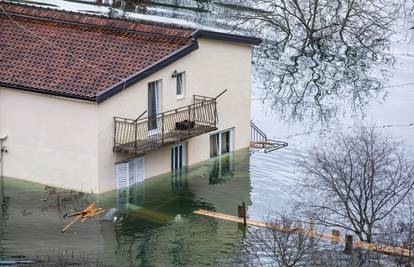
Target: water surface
[
  {"x": 151, "y": 224},
  {"x": 154, "y": 222}
]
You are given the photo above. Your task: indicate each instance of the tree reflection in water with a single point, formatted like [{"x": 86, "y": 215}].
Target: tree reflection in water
[
  {"x": 321, "y": 82},
  {"x": 318, "y": 57}
]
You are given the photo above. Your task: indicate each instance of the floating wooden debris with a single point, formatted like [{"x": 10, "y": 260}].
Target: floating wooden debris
[
  {"x": 384, "y": 249},
  {"x": 89, "y": 212}
]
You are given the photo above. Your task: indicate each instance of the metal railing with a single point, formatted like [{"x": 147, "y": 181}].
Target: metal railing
[
  {"x": 165, "y": 127},
  {"x": 201, "y": 99},
  {"x": 257, "y": 135},
  {"x": 259, "y": 140}
]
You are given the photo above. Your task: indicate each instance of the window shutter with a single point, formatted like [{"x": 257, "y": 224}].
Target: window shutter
[
  {"x": 132, "y": 174},
  {"x": 140, "y": 169},
  {"x": 129, "y": 173},
  {"x": 121, "y": 174}
]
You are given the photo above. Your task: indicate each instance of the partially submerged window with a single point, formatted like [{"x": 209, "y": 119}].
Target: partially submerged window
[
  {"x": 129, "y": 173},
  {"x": 180, "y": 88},
  {"x": 220, "y": 143},
  {"x": 177, "y": 157}
]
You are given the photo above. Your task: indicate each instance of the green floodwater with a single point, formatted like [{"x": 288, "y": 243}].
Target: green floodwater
[{"x": 151, "y": 224}]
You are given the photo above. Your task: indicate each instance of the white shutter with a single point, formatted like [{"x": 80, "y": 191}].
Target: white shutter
[
  {"x": 140, "y": 169},
  {"x": 129, "y": 173},
  {"x": 132, "y": 172},
  {"x": 121, "y": 175}
]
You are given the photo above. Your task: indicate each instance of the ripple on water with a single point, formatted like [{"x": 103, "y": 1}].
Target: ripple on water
[{"x": 272, "y": 176}]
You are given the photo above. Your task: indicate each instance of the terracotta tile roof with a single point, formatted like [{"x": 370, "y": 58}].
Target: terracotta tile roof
[{"x": 78, "y": 55}]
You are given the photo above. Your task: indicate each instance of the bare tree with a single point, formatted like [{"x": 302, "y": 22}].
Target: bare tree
[
  {"x": 355, "y": 181},
  {"x": 398, "y": 230},
  {"x": 282, "y": 242},
  {"x": 288, "y": 242}
]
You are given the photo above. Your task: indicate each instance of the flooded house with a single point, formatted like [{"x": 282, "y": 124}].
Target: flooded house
[{"x": 94, "y": 103}]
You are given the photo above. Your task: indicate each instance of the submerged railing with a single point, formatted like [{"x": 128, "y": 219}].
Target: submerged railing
[
  {"x": 257, "y": 135},
  {"x": 259, "y": 140},
  {"x": 166, "y": 127}
]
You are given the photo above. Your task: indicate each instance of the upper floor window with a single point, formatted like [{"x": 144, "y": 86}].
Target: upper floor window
[{"x": 180, "y": 90}]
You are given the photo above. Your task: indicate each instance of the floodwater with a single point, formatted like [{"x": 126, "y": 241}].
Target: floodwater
[{"x": 153, "y": 224}]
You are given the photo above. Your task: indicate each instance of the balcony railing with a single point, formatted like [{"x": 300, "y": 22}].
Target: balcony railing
[
  {"x": 142, "y": 135},
  {"x": 259, "y": 140}
]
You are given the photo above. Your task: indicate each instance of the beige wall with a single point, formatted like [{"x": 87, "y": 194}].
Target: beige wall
[
  {"x": 215, "y": 66},
  {"x": 68, "y": 143},
  {"x": 50, "y": 140}
]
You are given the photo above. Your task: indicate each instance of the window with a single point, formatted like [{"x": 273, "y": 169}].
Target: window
[
  {"x": 177, "y": 157},
  {"x": 129, "y": 173},
  {"x": 180, "y": 84},
  {"x": 220, "y": 143},
  {"x": 154, "y": 99}
]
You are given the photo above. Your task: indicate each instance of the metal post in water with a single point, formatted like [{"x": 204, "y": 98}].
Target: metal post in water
[{"x": 348, "y": 244}]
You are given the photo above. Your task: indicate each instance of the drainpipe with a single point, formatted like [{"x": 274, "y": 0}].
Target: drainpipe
[{"x": 3, "y": 150}]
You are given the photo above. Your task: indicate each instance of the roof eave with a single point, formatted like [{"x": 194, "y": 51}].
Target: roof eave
[
  {"x": 226, "y": 37},
  {"x": 46, "y": 92},
  {"x": 147, "y": 72}
]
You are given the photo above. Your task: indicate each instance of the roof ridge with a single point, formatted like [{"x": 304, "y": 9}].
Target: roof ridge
[{"x": 97, "y": 21}]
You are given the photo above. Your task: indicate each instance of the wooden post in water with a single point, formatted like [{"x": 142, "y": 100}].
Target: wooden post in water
[
  {"x": 312, "y": 231},
  {"x": 348, "y": 244},
  {"x": 58, "y": 201},
  {"x": 335, "y": 235},
  {"x": 244, "y": 213},
  {"x": 241, "y": 212},
  {"x": 300, "y": 234}
]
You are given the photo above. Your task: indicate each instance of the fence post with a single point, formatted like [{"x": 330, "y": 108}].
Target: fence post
[
  {"x": 335, "y": 236},
  {"x": 189, "y": 119},
  {"x": 114, "y": 134},
  {"x": 242, "y": 212},
  {"x": 162, "y": 128},
  {"x": 348, "y": 244},
  {"x": 136, "y": 136},
  {"x": 312, "y": 231},
  {"x": 215, "y": 113},
  {"x": 300, "y": 233}
]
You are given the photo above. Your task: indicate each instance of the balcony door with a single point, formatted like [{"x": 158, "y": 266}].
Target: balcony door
[
  {"x": 154, "y": 106},
  {"x": 220, "y": 143},
  {"x": 178, "y": 157}
]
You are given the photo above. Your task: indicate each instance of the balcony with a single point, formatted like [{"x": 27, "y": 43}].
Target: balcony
[{"x": 142, "y": 135}]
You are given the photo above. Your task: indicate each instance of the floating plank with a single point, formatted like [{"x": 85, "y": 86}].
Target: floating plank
[{"x": 384, "y": 249}]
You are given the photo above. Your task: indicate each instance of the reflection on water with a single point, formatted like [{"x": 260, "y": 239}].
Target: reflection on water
[
  {"x": 151, "y": 223},
  {"x": 318, "y": 58},
  {"x": 321, "y": 83},
  {"x": 222, "y": 169}
]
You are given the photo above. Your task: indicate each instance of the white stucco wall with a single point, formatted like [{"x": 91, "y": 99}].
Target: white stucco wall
[
  {"x": 68, "y": 143},
  {"x": 51, "y": 140},
  {"x": 215, "y": 66}
]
